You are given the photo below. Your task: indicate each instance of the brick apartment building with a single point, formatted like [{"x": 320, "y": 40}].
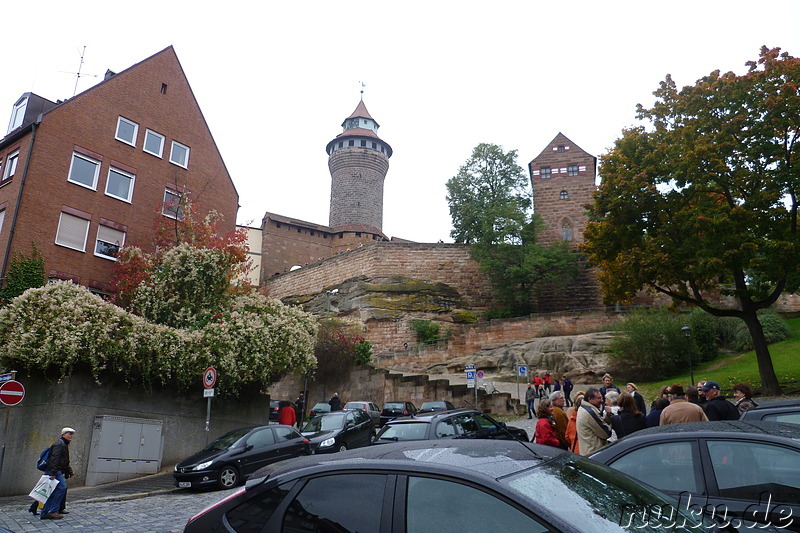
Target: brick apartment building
[{"x": 83, "y": 177}]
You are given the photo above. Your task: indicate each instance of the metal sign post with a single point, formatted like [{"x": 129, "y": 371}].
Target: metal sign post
[
  {"x": 209, "y": 380},
  {"x": 470, "y": 371}
]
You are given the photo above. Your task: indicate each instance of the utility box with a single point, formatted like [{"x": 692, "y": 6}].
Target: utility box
[{"x": 124, "y": 448}]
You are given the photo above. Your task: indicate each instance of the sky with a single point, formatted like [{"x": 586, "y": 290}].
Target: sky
[{"x": 275, "y": 80}]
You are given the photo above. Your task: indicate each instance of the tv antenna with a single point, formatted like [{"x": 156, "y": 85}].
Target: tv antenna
[{"x": 78, "y": 74}]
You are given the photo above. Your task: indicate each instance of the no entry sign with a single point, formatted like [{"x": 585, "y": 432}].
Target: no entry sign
[{"x": 11, "y": 392}]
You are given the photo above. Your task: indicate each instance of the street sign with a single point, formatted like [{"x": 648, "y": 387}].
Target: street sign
[
  {"x": 469, "y": 367},
  {"x": 11, "y": 392},
  {"x": 209, "y": 378},
  {"x": 6, "y": 377},
  {"x": 480, "y": 374},
  {"x": 523, "y": 370},
  {"x": 208, "y": 393}
]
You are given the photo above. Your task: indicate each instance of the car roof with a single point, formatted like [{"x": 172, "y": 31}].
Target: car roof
[
  {"x": 783, "y": 403},
  {"x": 430, "y": 416},
  {"x": 489, "y": 458}
]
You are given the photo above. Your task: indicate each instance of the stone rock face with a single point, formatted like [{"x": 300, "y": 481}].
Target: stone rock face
[{"x": 582, "y": 358}]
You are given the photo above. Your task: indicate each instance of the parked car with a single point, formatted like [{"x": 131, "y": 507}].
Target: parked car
[
  {"x": 274, "y": 408},
  {"x": 392, "y": 410},
  {"x": 339, "y": 431},
  {"x": 318, "y": 409},
  {"x": 438, "y": 405},
  {"x": 370, "y": 408},
  {"x": 750, "y": 469},
  {"x": 237, "y": 454},
  {"x": 454, "y": 486},
  {"x": 787, "y": 411},
  {"x": 457, "y": 424}
]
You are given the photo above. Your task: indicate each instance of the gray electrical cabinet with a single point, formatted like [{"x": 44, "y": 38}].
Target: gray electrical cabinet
[{"x": 124, "y": 448}]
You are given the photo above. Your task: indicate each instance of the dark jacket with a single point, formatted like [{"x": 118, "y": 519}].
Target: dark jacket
[
  {"x": 567, "y": 386},
  {"x": 59, "y": 458},
  {"x": 335, "y": 403},
  {"x": 639, "y": 400},
  {"x": 654, "y": 418},
  {"x": 719, "y": 408},
  {"x": 626, "y": 423}
]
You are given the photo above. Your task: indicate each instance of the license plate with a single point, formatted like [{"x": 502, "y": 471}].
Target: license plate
[{"x": 184, "y": 484}]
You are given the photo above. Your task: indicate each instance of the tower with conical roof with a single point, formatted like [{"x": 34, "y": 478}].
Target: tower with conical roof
[{"x": 358, "y": 161}]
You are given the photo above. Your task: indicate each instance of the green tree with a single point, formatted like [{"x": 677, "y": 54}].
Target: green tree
[
  {"x": 703, "y": 201},
  {"x": 490, "y": 205},
  {"x": 24, "y": 272}
]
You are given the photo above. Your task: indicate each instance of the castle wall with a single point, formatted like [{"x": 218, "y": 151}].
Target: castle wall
[{"x": 286, "y": 245}]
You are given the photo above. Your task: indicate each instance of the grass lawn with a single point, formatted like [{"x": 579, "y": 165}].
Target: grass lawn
[{"x": 730, "y": 369}]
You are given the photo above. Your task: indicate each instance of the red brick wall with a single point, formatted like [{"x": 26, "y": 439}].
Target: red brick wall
[{"x": 89, "y": 121}]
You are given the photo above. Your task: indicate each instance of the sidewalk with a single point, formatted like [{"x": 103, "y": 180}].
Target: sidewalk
[{"x": 130, "y": 489}]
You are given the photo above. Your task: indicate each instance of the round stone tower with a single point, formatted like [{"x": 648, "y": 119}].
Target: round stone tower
[{"x": 358, "y": 161}]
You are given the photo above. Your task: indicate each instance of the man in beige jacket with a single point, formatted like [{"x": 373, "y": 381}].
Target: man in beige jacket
[
  {"x": 593, "y": 425},
  {"x": 680, "y": 410}
]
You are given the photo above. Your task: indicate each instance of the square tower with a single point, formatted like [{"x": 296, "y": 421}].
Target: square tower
[{"x": 563, "y": 181}]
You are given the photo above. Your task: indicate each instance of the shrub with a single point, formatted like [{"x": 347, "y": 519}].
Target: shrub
[
  {"x": 363, "y": 353},
  {"x": 429, "y": 332},
  {"x": 704, "y": 334},
  {"x": 775, "y": 329}
]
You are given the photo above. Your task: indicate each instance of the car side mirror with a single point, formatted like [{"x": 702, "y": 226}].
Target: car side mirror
[{"x": 349, "y": 424}]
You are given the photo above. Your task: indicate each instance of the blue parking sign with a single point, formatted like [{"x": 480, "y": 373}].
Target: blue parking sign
[{"x": 470, "y": 374}]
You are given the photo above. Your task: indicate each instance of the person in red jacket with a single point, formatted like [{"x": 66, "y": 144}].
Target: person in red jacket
[
  {"x": 287, "y": 415},
  {"x": 545, "y": 432},
  {"x": 537, "y": 384}
]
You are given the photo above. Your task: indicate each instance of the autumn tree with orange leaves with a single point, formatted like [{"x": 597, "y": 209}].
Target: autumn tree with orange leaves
[{"x": 702, "y": 199}]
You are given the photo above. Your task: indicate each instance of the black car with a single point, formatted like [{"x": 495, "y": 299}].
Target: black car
[
  {"x": 749, "y": 470},
  {"x": 339, "y": 431},
  {"x": 437, "y": 405},
  {"x": 237, "y": 454},
  {"x": 275, "y": 407},
  {"x": 319, "y": 409},
  {"x": 453, "y": 486},
  {"x": 392, "y": 410},
  {"x": 456, "y": 424},
  {"x": 787, "y": 411}
]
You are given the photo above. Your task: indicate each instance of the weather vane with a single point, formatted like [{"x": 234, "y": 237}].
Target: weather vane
[{"x": 362, "y": 89}]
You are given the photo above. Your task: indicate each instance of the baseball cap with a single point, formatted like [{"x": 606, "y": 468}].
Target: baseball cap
[
  {"x": 67, "y": 430},
  {"x": 709, "y": 385}
]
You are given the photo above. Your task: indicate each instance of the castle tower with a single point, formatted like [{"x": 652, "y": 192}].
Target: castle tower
[
  {"x": 358, "y": 161},
  {"x": 563, "y": 180}
]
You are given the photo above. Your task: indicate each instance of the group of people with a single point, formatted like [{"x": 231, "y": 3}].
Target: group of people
[
  {"x": 541, "y": 387},
  {"x": 603, "y": 414}
]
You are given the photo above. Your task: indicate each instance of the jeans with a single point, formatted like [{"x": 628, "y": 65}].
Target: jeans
[
  {"x": 53, "y": 503},
  {"x": 531, "y": 408}
]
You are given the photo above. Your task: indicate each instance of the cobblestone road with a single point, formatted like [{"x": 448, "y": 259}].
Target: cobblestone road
[{"x": 154, "y": 514}]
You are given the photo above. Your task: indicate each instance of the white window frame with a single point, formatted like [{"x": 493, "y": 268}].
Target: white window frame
[
  {"x": 121, "y": 172},
  {"x": 18, "y": 114},
  {"x": 168, "y": 213},
  {"x": 184, "y": 164},
  {"x": 90, "y": 160},
  {"x": 147, "y": 134},
  {"x": 120, "y": 120},
  {"x": 72, "y": 219},
  {"x": 11, "y": 165},
  {"x": 98, "y": 239},
  {"x": 2, "y": 218}
]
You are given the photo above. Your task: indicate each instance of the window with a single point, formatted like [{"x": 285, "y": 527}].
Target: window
[
  {"x": 545, "y": 172},
  {"x": 364, "y": 143},
  {"x": 84, "y": 171},
  {"x": 153, "y": 143},
  {"x": 572, "y": 170},
  {"x": 566, "y": 231},
  {"x": 172, "y": 204},
  {"x": 163, "y": 88},
  {"x": 563, "y": 195},
  {"x": 351, "y": 142},
  {"x": 256, "y": 511},
  {"x": 430, "y": 508},
  {"x": 261, "y": 439},
  {"x": 72, "y": 232},
  {"x": 671, "y": 466},
  {"x": 18, "y": 114},
  {"x": 179, "y": 154},
  {"x": 314, "y": 510},
  {"x": 2, "y": 219},
  {"x": 11, "y": 165},
  {"x": 561, "y": 149},
  {"x": 109, "y": 241},
  {"x": 126, "y": 131},
  {"x": 445, "y": 428},
  {"x": 120, "y": 184}
]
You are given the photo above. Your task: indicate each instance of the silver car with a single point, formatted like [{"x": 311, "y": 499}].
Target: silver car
[{"x": 370, "y": 408}]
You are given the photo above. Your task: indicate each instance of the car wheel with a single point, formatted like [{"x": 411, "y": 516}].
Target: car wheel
[
  {"x": 228, "y": 477},
  {"x": 343, "y": 448}
]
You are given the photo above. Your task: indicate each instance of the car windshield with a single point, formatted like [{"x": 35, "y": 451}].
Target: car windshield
[
  {"x": 321, "y": 406},
  {"x": 325, "y": 423},
  {"x": 597, "y": 498},
  {"x": 228, "y": 440},
  {"x": 394, "y": 405},
  {"x": 433, "y": 405},
  {"x": 356, "y": 405},
  {"x": 409, "y": 431}
]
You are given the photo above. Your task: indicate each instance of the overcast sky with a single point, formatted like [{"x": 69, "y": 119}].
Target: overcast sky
[{"x": 276, "y": 80}]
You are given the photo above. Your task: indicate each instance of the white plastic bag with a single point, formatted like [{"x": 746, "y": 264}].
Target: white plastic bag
[{"x": 44, "y": 488}]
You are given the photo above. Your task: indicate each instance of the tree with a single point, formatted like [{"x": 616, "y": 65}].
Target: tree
[
  {"x": 703, "y": 202},
  {"x": 490, "y": 201}
]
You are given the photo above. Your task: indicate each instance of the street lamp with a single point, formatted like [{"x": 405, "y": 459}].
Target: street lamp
[{"x": 687, "y": 332}]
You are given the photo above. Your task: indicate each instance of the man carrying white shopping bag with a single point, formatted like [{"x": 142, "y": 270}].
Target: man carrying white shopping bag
[{"x": 58, "y": 468}]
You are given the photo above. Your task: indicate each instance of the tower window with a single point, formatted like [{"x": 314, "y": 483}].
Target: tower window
[
  {"x": 363, "y": 143},
  {"x": 351, "y": 142},
  {"x": 564, "y": 195},
  {"x": 341, "y": 143},
  {"x": 374, "y": 146},
  {"x": 163, "y": 88},
  {"x": 545, "y": 172},
  {"x": 572, "y": 170},
  {"x": 566, "y": 230}
]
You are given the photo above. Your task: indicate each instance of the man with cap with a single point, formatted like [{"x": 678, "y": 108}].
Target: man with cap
[
  {"x": 679, "y": 410},
  {"x": 58, "y": 468},
  {"x": 716, "y": 406}
]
